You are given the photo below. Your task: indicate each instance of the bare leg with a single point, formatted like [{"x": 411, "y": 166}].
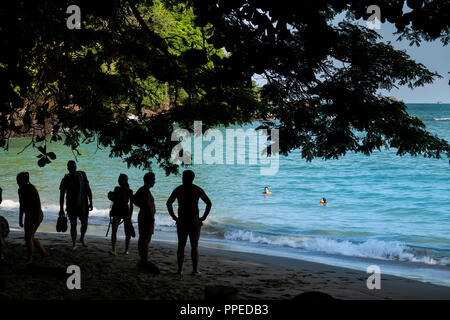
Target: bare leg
[
  {"x": 30, "y": 248},
  {"x": 143, "y": 242},
  {"x": 140, "y": 245},
  {"x": 42, "y": 250},
  {"x": 147, "y": 244},
  {"x": 73, "y": 233},
  {"x": 182, "y": 239},
  {"x": 30, "y": 229},
  {"x": 194, "y": 236},
  {"x": 83, "y": 229},
  {"x": 127, "y": 244},
  {"x": 126, "y": 225},
  {"x": 115, "y": 226}
]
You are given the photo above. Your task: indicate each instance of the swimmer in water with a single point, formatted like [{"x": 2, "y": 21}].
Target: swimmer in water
[
  {"x": 323, "y": 201},
  {"x": 266, "y": 191}
]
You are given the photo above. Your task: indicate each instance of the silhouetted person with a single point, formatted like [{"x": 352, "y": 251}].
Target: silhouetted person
[
  {"x": 188, "y": 221},
  {"x": 2, "y": 244},
  {"x": 30, "y": 204},
  {"x": 146, "y": 219},
  {"x": 122, "y": 209},
  {"x": 76, "y": 187}
]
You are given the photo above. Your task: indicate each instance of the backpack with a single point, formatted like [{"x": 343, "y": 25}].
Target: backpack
[
  {"x": 4, "y": 227},
  {"x": 138, "y": 198},
  {"x": 111, "y": 196}
]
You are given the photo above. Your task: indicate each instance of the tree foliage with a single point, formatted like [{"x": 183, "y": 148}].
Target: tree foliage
[{"x": 323, "y": 79}]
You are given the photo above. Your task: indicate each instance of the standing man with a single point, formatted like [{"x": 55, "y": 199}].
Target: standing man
[
  {"x": 76, "y": 187},
  {"x": 143, "y": 198},
  {"x": 1, "y": 233},
  {"x": 188, "y": 221}
]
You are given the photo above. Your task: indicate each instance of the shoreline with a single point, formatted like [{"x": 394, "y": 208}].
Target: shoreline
[
  {"x": 413, "y": 270},
  {"x": 417, "y": 271},
  {"x": 253, "y": 276}
]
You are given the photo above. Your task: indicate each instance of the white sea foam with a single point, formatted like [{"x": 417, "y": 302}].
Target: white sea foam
[
  {"x": 50, "y": 208},
  {"x": 377, "y": 249},
  {"x": 9, "y": 204},
  {"x": 442, "y": 119},
  {"x": 164, "y": 222}
]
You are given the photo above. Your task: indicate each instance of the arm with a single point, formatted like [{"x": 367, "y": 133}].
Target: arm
[
  {"x": 61, "y": 202},
  {"x": 208, "y": 203},
  {"x": 91, "y": 205},
  {"x": 21, "y": 217},
  {"x": 169, "y": 203},
  {"x": 89, "y": 192},
  {"x": 20, "y": 209},
  {"x": 150, "y": 203},
  {"x": 131, "y": 205},
  {"x": 62, "y": 191}
]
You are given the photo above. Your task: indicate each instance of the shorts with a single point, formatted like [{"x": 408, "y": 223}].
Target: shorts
[
  {"x": 146, "y": 224},
  {"x": 189, "y": 226},
  {"x": 120, "y": 211},
  {"x": 77, "y": 212},
  {"x": 34, "y": 218},
  {"x": 32, "y": 222},
  {"x": 119, "y": 214}
]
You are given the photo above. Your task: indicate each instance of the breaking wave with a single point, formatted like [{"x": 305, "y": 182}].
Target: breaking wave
[{"x": 377, "y": 249}]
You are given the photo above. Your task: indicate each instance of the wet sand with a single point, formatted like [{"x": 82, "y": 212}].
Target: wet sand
[{"x": 224, "y": 274}]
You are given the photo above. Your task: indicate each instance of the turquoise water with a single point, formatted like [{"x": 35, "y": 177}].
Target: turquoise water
[{"x": 389, "y": 210}]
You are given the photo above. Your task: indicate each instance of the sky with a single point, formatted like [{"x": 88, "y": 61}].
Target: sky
[{"x": 435, "y": 56}]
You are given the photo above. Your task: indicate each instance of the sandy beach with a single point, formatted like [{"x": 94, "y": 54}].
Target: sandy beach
[{"x": 225, "y": 274}]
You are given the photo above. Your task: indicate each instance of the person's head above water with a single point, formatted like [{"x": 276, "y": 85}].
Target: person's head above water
[
  {"x": 266, "y": 190},
  {"x": 123, "y": 180},
  {"x": 188, "y": 177},
  {"x": 23, "y": 178},
  {"x": 149, "y": 179},
  {"x": 72, "y": 166},
  {"x": 323, "y": 201}
]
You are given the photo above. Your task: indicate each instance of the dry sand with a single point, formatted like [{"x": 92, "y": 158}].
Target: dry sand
[{"x": 244, "y": 275}]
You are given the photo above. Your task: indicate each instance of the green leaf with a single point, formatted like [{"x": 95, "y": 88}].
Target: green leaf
[
  {"x": 42, "y": 162},
  {"x": 51, "y": 155}
]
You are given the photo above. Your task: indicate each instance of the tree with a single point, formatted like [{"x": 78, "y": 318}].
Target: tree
[{"x": 322, "y": 79}]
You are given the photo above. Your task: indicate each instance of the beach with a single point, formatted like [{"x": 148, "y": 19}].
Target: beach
[
  {"x": 381, "y": 210},
  {"x": 224, "y": 275}
]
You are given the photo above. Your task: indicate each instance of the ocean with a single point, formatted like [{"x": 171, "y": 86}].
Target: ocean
[{"x": 384, "y": 210}]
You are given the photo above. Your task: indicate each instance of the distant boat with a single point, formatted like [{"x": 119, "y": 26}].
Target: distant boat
[{"x": 439, "y": 102}]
